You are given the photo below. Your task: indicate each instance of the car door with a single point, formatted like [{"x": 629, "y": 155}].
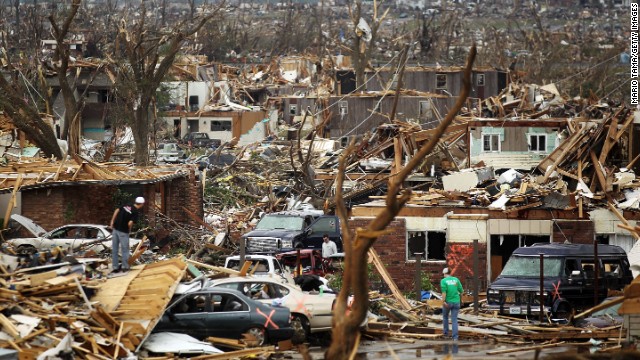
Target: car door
[
  {"x": 187, "y": 316},
  {"x": 65, "y": 236},
  {"x": 228, "y": 316}
]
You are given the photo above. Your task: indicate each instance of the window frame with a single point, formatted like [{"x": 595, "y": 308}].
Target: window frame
[
  {"x": 537, "y": 136},
  {"x": 478, "y": 81},
  {"x": 293, "y": 109},
  {"x": 425, "y": 257},
  {"x": 438, "y": 81},
  {"x": 490, "y": 144}
]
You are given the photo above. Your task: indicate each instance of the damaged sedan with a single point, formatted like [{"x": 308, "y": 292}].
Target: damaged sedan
[
  {"x": 72, "y": 237},
  {"x": 228, "y": 314}
]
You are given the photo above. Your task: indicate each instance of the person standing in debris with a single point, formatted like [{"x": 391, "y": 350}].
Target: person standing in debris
[
  {"x": 451, "y": 291},
  {"x": 121, "y": 223},
  {"x": 328, "y": 247}
]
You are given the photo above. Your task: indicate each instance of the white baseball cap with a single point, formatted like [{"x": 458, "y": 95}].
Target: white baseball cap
[
  {"x": 139, "y": 200},
  {"x": 445, "y": 271}
]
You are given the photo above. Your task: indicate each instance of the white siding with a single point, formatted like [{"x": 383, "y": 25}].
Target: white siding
[{"x": 516, "y": 227}]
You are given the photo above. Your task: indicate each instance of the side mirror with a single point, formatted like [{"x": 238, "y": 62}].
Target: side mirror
[{"x": 576, "y": 273}]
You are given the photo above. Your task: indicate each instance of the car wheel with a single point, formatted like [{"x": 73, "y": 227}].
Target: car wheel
[
  {"x": 563, "y": 312},
  {"x": 259, "y": 334},
  {"x": 26, "y": 250},
  {"x": 300, "y": 326}
]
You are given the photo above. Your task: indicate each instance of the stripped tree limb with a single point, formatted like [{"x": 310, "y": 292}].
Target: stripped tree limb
[{"x": 356, "y": 246}]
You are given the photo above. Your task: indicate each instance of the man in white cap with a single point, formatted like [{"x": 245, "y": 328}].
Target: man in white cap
[
  {"x": 451, "y": 291},
  {"x": 121, "y": 223}
]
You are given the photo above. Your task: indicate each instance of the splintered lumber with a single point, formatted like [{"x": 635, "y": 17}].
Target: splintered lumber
[
  {"x": 574, "y": 335},
  {"x": 9, "y": 327},
  {"x": 524, "y": 348},
  {"x": 214, "y": 268},
  {"x": 228, "y": 343},
  {"x": 146, "y": 310},
  {"x": 382, "y": 270},
  {"x": 245, "y": 268},
  {"x": 239, "y": 354},
  {"x": 600, "y": 306},
  {"x": 400, "y": 334}
]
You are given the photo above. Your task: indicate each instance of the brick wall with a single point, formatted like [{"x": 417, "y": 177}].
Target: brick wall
[
  {"x": 94, "y": 204},
  {"x": 576, "y": 231},
  {"x": 184, "y": 192},
  {"x": 391, "y": 248}
]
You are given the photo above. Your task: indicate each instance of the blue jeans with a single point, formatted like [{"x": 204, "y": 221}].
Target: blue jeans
[
  {"x": 454, "y": 308},
  {"x": 119, "y": 241}
]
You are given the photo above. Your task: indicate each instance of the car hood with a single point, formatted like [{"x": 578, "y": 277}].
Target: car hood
[
  {"x": 29, "y": 224},
  {"x": 279, "y": 233},
  {"x": 520, "y": 283}
]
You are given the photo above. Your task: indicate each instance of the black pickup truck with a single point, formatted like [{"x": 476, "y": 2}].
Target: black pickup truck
[
  {"x": 288, "y": 230},
  {"x": 200, "y": 139}
]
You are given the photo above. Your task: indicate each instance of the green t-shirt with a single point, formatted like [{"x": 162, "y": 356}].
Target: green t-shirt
[{"x": 452, "y": 286}]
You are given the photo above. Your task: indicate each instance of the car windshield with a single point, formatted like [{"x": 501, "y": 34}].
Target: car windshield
[
  {"x": 199, "y": 136},
  {"x": 280, "y": 222},
  {"x": 528, "y": 266}
]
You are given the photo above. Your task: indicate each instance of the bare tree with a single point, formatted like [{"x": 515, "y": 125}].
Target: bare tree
[
  {"x": 356, "y": 246},
  {"x": 143, "y": 58},
  {"x": 61, "y": 65},
  {"x": 363, "y": 43}
]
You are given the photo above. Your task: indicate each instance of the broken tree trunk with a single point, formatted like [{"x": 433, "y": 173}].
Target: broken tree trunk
[{"x": 356, "y": 246}]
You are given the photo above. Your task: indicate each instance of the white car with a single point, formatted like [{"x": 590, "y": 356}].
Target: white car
[
  {"x": 73, "y": 237},
  {"x": 311, "y": 313}
]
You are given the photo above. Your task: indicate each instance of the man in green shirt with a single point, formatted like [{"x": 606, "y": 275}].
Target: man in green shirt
[{"x": 451, "y": 291}]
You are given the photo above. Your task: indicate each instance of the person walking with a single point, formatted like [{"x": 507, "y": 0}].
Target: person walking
[
  {"x": 451, "y": 290},
  {"x": 328, "y": 247},
  {"x": 121, "y": 223}
]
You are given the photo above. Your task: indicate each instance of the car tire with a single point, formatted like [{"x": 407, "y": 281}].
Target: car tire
[
  {"x": 26, "y": 250},
  {"x": 563, "y": 311},
  {"x": 259, "y": 333},
  {"x": 300, "y": 326}
]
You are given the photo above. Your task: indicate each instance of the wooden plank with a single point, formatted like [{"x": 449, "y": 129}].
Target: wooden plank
[
  {"x": 524, "y": 348},
  {"x": 62, "y": 280},
  {"x": 214, "y": 268},
  {"x": 598, "y": 168},
  {"x": 245, "y": 268},
  {"x": 9, "y": 327},
  {"x": 12, "y": 201},
  {"x": 39, "y": 279},
  {"x": 600, "y": 306},
  {"x": 382, "y": 270}
]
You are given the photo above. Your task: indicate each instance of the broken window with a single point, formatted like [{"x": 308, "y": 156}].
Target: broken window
[
  {"x": 220, "y": 125},
  {"x": 441, "y": 81},
  {"x": 426, "y": 111},
  {"x": 344, "y": 107},
  {"x": 491, "y": 143},
  {"x": 293, "y": 109},
  {"x": 537, "y": 142},
  {"x": 480, "y": 79},
  {"x": 193, "y": 102},
  {"x": 431, "y": 244}
]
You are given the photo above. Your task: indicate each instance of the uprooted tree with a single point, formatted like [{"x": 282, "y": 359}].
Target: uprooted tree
[
  {"x": 143, "y": 57},
  {"x": 345, "y": 333}
]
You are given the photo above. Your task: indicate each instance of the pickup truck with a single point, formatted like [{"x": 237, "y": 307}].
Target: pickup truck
[
  {"x": 266, "y": 266},
  {"x": 200, "y": 139},
  {"x": 288, "y": 230}
]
